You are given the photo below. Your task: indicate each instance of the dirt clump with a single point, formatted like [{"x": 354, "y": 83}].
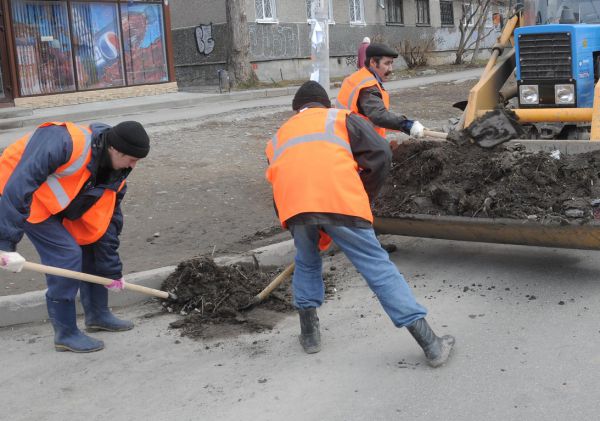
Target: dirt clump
[
  {"x": 442, "y": 178},
  {"x": 211, "y": 296}
]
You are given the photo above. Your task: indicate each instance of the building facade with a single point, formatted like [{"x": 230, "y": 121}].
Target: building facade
[
  {"x": 55, "y": 52},
  {"x": 280, "y": 34}
]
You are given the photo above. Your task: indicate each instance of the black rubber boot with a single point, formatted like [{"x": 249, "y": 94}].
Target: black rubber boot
[
  {"x": 436, "y": 349},
  {"x": 310, "y": 336},
  {"x": 94, "y": 299},
  {"x": 67, "y": 337}
]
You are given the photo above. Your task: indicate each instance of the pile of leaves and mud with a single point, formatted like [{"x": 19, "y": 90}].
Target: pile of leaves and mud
[
  {"x": 209, "y": 295},
  {"x": 442, "y": 178}
]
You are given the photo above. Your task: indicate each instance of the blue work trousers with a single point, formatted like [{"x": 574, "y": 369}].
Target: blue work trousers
[
  {"x": 366, "y": 254},
  {"x": 58, "y": 248}
]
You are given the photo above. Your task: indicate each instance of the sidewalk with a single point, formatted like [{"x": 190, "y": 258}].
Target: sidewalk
[{"x": 14, "y": 122}]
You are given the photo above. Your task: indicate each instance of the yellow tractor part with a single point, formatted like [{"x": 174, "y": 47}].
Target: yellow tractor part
[{"x": 484, "y": 96}]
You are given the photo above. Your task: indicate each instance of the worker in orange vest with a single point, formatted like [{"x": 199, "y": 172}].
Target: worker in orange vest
[
  {"x": 325, "y": 166},
  {"x": 62, "y": 186},
  {"x": 362, "y": 92}
]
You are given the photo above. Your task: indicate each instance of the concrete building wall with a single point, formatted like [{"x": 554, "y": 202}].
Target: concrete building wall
[
  {"x": 187, "y": 13},
  {"x": 281, "y": 50}
]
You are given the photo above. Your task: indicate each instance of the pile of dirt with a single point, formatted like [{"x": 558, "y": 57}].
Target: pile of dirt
[
  {"x": 210, "y": 295},
  {"x": 442, "y": 178}
]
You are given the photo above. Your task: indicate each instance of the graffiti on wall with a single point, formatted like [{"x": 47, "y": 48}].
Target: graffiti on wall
[
  {"x": 204, "y": 39},
  {"x": 274, "y": 41}
]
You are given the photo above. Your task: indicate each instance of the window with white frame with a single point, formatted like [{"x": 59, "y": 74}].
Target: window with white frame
[
  {"x": 312, "y": 6},
  {"x": 447, "y": 13},
  {"x": 265, "y": 10},
  {"x": 395, "y": 12},
  {"x": 357, "y": 14},
  {"x": 423, "y": 12}
]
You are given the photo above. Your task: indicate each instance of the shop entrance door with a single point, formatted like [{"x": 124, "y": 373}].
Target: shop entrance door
[{"x": 5, "y": 86}]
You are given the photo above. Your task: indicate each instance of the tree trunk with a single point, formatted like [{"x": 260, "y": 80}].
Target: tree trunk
[{"x": 238, "y": 59}]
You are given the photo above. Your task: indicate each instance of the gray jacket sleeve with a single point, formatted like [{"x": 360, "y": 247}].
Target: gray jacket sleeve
[
  {"x": 370, "y": 104},
  {"x": 371, "y": 152}
]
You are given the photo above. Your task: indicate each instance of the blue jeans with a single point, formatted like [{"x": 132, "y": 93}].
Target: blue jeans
[{"x": 364, "y": 251}]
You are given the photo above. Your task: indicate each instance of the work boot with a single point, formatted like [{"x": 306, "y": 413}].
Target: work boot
[
  {"x": 436, "y": 349},
  {"x": 310, "y": 336},
  {"x": 67, "y": 337},
  {"x": 94, "y": 299}
]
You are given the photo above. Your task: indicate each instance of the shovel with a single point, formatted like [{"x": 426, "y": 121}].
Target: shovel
[
  {"x": 51, "y": 270},
  {"x": 287, "y": 272},
  {"x": 489, "y": 130}
]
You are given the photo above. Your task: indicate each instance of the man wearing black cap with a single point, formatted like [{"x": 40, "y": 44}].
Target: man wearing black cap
[
  {"x": 62, "y": 185},
  {"x": 363, "y": 93},
  {"x": 326, "y": 165}
]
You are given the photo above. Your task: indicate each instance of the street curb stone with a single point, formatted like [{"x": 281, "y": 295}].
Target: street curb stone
[{"x": 30, "y": 307}]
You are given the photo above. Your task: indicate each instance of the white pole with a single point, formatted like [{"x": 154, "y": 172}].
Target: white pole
[{"x": 319, "y": 40}]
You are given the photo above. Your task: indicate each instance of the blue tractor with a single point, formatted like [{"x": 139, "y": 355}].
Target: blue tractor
[{"x": 551, "y": 49}]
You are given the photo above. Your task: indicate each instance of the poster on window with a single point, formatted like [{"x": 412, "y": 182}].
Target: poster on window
[
  {"x": 42, "y": 47},
  {"x": 144, "y": 43},
  {"x": 97, "y": 45}
]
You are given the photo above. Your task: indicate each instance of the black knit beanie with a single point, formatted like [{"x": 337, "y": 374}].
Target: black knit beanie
[
  {"x": 130, "y": 138},
  {"x": 310, "y": 91}
]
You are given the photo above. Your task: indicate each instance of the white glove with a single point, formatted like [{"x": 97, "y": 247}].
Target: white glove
[
  {"x": 12, "y": 261},
  {"x": 417, "y": 130}
]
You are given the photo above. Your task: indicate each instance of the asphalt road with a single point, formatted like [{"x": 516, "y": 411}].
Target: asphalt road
[{"x": 525, "y": 319}]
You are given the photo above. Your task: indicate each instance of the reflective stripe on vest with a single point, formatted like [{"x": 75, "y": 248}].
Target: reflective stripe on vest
[
  {"x": 57, "y": 189},
  {"x": 312, "y": 169},
  {"x": 349, "y": 93},
  {"x": 354, "y": 92},
  {"x": 328, "y": 136}
]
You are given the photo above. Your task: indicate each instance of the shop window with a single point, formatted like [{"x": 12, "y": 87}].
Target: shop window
[
  {"x": 43, "y": 47},
  {"x": 144, "y": 43},
  {"x": 422, "y": 12},
  {"x": 97, "y": 45},
  {"x": 447, "y": 13},
  {"x": 395, "y": 14}
]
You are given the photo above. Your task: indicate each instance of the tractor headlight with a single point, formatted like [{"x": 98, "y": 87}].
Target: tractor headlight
[
  {"x": 529, "y": 94},
  {"x": 564, "y": 94}
]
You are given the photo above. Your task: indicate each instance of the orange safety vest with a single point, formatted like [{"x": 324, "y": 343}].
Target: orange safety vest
[
  {"x": 311, "y": 168},
  {"x": 347, "y": 98},
  {"x": 61, "y": 187}
]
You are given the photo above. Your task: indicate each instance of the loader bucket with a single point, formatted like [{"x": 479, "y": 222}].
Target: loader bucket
[{"x": 488, "y": 230}]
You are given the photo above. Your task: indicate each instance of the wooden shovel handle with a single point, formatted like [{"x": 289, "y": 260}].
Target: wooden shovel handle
[
  {"x": 276, "y": 282},
  {"x": 51, "y": 270},
  {"x": 437, "y": 135}
]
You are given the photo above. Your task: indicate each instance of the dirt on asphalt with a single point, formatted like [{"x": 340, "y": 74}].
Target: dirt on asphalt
[{"x": 210, "y": 296}]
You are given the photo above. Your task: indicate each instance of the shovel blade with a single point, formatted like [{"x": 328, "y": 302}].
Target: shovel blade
[{"x": 493, "y": 128}]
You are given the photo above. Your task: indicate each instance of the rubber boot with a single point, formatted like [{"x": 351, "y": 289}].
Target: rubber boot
[
  {"x": 67, "y": 337},
  {"x": 310, "y": 336},
  {"x": 436, "y": 349},
  {"x": 94, "y": 299}
]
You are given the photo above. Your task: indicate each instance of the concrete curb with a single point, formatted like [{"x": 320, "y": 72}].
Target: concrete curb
[{"x": 31, "y": 306}]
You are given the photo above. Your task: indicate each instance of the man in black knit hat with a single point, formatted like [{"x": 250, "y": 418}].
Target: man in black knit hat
[
  {"x": 326, "y": 165},
  {"x": 62, "y": 186}
]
